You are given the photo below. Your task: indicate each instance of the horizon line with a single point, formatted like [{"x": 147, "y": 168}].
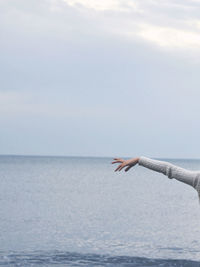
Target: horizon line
[{"x": 86, "y": 156}]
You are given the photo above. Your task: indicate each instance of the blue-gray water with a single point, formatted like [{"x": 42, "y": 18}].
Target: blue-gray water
[{"x": 68, "y": 211}]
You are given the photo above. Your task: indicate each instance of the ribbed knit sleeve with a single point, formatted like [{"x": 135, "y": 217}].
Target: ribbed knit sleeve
[{"x": 172, "y": 171}]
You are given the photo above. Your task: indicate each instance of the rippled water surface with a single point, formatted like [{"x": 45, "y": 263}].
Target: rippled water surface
[{"x": 79, "y": 212}]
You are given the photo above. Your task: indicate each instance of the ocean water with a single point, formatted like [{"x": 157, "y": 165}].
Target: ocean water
[{"x": 73, "y": 211}]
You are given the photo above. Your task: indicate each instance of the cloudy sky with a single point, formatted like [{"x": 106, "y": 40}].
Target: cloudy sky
[{"x": 100, "y": 78}]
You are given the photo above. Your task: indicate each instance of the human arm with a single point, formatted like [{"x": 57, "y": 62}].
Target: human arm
[{"x": 170, "y": 170}]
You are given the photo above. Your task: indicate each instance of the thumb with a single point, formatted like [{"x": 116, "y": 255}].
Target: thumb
[{"x": 128, "y": 168}]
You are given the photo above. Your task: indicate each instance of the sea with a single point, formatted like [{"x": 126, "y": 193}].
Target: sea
[{"x": 76, "y": 211}]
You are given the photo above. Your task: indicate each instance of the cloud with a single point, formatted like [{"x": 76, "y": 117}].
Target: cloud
[
  {"x": 169, "y": 25},
  {"x": 103, "y": 5},
  {"x": 170, "y": 37},
  {"x": 166, "y": 24}
]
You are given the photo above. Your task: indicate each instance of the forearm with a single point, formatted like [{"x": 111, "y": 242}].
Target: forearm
[{"x": 171, "y": 171}]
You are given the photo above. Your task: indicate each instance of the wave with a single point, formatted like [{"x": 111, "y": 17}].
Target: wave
[{"x": 48, "y": 258}]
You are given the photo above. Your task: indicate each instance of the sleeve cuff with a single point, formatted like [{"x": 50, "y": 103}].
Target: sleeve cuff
[{"x": 142, "y": 160}]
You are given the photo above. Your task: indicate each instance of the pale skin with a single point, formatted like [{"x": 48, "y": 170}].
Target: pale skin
[{"x": 125, "y": 163}]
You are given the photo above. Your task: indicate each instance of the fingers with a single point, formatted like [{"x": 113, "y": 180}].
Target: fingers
[
  {"x": 128, "y": 168},
  {"x": 117, "y": 168},
  {"x": 120, "y": 167},
  {"x": 117, "y": 160}
]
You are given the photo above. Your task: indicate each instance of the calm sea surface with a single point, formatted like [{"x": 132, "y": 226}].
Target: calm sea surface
[{"x": 71, "y": 211}]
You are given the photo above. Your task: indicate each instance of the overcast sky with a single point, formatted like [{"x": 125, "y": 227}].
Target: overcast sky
[{"x": 100, "y": 78}]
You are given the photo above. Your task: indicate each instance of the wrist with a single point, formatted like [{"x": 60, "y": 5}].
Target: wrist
[{"x": 138, "y": 158}]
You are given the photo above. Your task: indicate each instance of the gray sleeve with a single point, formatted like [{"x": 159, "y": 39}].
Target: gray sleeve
[{"x": 172, "y": 171}]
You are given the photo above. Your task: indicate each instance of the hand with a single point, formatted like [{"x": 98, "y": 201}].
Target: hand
[{"x": 129, "y": 163}]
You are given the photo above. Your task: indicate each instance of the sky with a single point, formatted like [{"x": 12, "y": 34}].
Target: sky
[{"x": 114, "y": 78}]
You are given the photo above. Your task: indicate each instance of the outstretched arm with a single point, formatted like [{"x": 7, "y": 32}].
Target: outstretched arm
[{"x": 172, "y": 171}]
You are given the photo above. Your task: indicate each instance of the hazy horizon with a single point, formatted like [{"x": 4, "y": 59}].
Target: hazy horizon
[{"x": 86, "y": 156}]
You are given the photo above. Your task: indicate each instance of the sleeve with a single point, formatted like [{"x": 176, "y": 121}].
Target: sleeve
[{"x": 172, "y": 171}]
